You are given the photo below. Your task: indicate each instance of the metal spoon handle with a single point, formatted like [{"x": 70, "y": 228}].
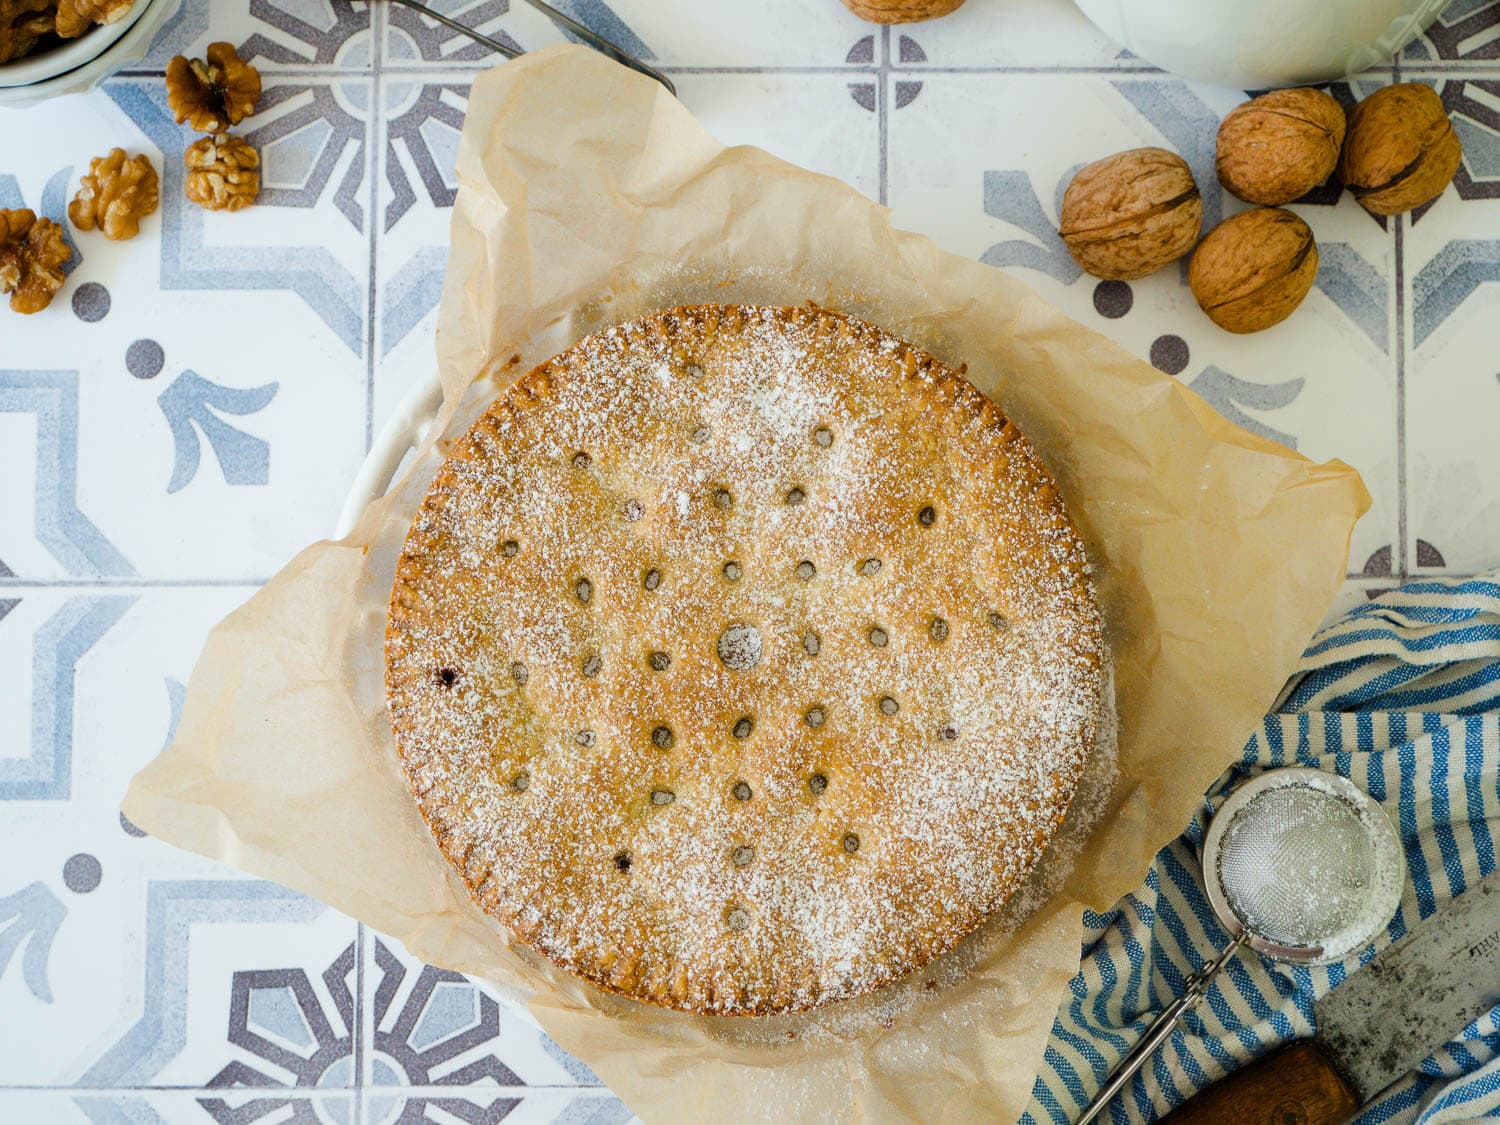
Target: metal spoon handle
[
  {"x": 462, "y": 28},
  {"x": 1161, "y": 1028},
  {"x": 598, "y": 42}
]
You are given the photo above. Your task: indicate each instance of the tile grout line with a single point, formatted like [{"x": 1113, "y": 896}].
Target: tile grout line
[
  {"x": 125, "y": 583},
  {"x": 1478, "y": 69},
  {"x": 299, "y": 1092},
  {"x": 882, "y": 113},
  {"x": 377, "y": 148},
  {"x": 1402, "y": 553},
  {"x": 377, "y": 52},
  {"x": 1403, "y": 560},
  {"x": 359, "y": 1017}
]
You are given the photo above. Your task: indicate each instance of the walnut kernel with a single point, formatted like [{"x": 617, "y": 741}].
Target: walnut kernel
[
  {"x": 22, "y": 23},
  {"x": 221, "y": 173},
  {"x": 117, "y": 193},
  {"x": 1251, "y": 271},
  {"x": 901, "y": 11},
  {"x": 1131, "y": 213},
  {"x": 32, "y": 252},
  {"x": 1401, "y": 151},
  {"x": 214, "y": 94},
  {"x": 1278, "y": 147},
  {"x": 74, "y": 17}
]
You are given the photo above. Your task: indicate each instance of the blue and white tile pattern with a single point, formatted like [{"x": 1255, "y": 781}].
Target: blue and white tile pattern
[{"x": 191, "y": 409}]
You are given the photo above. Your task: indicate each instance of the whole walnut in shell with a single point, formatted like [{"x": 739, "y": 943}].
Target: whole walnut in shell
[
  {"x": 116, "y": 194},
  {"x": 1251, "y": 271},
  {"x": 212, "y": 94},
  {"x": 32, "y": 252},
  {"x": 221, "y": 173},
  {"x": 1278, "y": 147},
  {"x": 1131, "y": 213},
  {"x": 1401, "y": 151},
  {"x": 901, "y": 11}
]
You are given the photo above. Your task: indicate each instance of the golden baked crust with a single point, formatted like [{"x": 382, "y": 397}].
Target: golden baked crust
[{"x": 716, "y": 819}]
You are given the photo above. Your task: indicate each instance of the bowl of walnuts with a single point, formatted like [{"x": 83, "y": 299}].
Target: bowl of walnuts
[{"x": 52, "y": 47}]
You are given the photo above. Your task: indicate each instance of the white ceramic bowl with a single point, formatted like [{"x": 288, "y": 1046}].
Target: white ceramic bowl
[
  {"x": 1257, "y": 44},
  {"x": 81, "y": 64}
]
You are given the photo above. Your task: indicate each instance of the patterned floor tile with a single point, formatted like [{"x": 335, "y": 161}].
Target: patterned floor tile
[
  {"x": 119, "y": 955},
  {"x": 434, "y": 1028},
  {"x": 794, "y": 33},
  {"x": 1452, "y": 378},
  {"x": 1023, "y": 34},
  {"x": 959, "y": 145},
  {"x": 245, "y": 985},
  {"x": 178, "y": 1107},
  {"x": 167, "y": 407},
  {"x": 274, "y": 34},
  {"x": 150, "y": 437},
  {"x": 1467, "y": 31},
  {"x": 486, "y": 1104},
  {"x": 421, "y": 116}
]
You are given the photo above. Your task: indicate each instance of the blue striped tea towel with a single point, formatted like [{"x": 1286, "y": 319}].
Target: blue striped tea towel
[{"x": 1401, "y": 696}]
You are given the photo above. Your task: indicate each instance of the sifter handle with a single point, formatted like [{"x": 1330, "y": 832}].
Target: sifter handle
[
  {"x": 1161, "y": 1027},
  {"x": 1298, "y": 1084}
]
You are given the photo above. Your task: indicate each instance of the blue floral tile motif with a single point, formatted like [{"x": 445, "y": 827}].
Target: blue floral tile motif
[
  {"x": 271, "y": 33},
  {"x": 176, "y": 914},
  {"x": 421, "y": 133},
  {"x": 422, "y": 123},
  {"x": 311, "y": 136},
  {"x": 442, "y": 1018},
  {"x": 1463, "y": 32},
  {"x": 316, "y": 34},
  {"x": 276, "y": 1017},
  {"x": 59, "y": 643},
  {"x": 1462, "y": 265},
  {"x": 194, "y": 405},
  {"x": 61, "y": 528},
  {"x": 1229, "y": 396},
  {"x": 191, "y": 260},
  {"x": 29, "y": 920},
  {"x": 1474, "y": 105},
  {"x": 412, "y": 37}
]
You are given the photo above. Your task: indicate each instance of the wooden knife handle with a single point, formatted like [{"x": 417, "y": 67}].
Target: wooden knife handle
[{"x": 1298, "y": 1085}]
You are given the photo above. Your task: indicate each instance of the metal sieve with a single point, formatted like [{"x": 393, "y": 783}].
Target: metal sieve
[{"x": 1299, "y": 866}]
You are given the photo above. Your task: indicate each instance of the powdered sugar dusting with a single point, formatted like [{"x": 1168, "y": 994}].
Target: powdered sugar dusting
[{"x": 741, "y": 470}]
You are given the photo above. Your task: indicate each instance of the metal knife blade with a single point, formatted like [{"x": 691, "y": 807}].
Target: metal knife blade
[{"x": 1419, "y": 993}]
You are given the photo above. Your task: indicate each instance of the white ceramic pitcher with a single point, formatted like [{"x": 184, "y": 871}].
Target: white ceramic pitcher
[{"x": 1256, "y": 44}]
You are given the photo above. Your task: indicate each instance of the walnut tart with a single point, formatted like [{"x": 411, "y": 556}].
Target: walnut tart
[{"x": 741, "y": 659}]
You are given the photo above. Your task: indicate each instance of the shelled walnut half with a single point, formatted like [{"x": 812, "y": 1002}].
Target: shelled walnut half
[
  {"x": 214, "y": 94},
  {"x": 117, "y": 193},
  {"x": 221, "y": 173},
  {"x": 32, "y": 252},
  {"x": 74, "y": 17},
  {"x": 22, "y": 23}
]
